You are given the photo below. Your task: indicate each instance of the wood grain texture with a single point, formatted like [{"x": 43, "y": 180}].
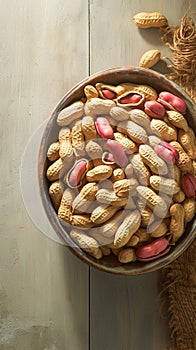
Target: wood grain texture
[
  {"x": 43, "y": 288},
  {"x": 125, "y": 311}
]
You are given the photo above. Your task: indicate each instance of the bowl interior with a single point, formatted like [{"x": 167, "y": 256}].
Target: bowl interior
[{"x": 113, "y": 76}]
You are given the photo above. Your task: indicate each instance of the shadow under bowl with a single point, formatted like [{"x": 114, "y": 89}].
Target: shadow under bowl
[{"x": 112, "y": 76}]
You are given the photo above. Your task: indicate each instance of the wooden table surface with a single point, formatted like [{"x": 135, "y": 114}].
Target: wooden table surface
[{"x": 49, "y": 300}]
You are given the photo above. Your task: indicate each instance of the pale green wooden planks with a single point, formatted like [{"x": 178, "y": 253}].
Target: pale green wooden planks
[{"x": 43, "y": 287}]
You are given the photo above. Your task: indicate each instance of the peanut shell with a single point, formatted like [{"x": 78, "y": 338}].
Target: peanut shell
[
  {"x": 126, "y": 255},
  {"x": 56, "y": 193},
  {"x": 87, "y": 243},
  {"x": 65, "y": 209},
  {"x": 70, "y": 113},
  {"x": 150, "y": 19},
  {"x": 103, "y": 213},
  {"x": 100, "y": 172},
  {"x": 150, "y": 58},
  {"x": 153, "y": 201},
  {"x": 53, "y": 151},
  {"x": 129, "y": 226},
  {"x": 134, "y": 131}
]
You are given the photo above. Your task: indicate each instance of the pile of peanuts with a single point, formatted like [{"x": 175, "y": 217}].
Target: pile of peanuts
[{"x": 122, "y": 171}]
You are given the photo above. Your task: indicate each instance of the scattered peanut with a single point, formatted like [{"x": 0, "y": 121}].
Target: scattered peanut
[
  {"x": 150, "y": 58},
  {"x": 150, "y": 19}
]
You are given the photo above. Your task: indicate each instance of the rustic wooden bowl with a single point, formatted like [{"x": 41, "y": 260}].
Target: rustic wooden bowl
[{"x": 112, "y": 76}]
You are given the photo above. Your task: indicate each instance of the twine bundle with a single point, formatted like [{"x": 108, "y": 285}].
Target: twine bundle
[
  {"x": 178, "y": 280},
  {"x": 182, "y": 41},
  {"x": 178, "y": 291}
]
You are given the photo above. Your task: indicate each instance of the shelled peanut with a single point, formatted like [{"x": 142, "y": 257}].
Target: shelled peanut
[{"x": 121, "y": 171}]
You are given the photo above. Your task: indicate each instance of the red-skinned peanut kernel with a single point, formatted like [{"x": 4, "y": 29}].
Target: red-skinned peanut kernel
[
  {"x": 110, "y": 95},
  {"x": 167, "y": 152},
  {"x": 118, "y": 152},
  {"x": 188, "y": 184},
  {"x": 155, "y": 257},
  {"x": 104, "y": 128},
  {"x": 108, "y": 158},
  {"x": 154, "y": 109},
  {"x": 77, "y": 173},
  {"x": 153, "y": 250},
  {"x": 171, "y": 101},
  {"x": 131, "y": 98}
]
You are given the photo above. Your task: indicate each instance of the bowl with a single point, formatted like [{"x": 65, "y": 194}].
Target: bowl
[{"x": 112, "y": 76}]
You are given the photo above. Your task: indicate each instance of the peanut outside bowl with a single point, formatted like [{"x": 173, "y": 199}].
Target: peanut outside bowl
[{"x": 112, "y": 76}]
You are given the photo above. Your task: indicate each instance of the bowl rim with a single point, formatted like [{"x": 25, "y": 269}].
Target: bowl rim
[{"x": 48, "y": 207}]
